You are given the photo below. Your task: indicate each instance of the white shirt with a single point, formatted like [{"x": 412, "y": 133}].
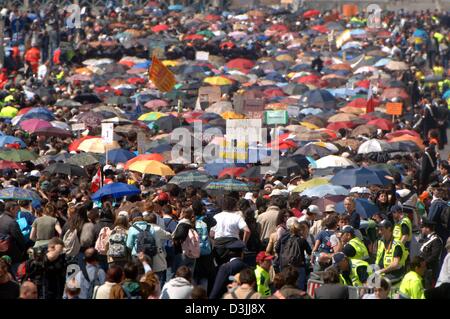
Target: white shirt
[
  {"x": 229, "y": 224},
  {"x": 444, "y": 275}
]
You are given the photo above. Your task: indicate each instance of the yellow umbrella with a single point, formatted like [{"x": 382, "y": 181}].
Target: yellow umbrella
[
  {"x": 151, "y": 116},
  {"x": 309, "y": 125},
  {"x": 284, "y": 57},
  {"x": 96, "y": 145},
  {"x": 171, "y": 63},
  {"x": 217, "y": 80},
  {"x": 232, "y": 116},
  {"x": 311, "y": 183},
  {"x": 151, "y": 167}
]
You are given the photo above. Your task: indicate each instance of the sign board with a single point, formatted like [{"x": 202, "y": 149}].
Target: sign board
[
  {"x": 293, "y": 111},
  {"x": 278, "y": 117},
  {"x": 108, "y": 133},
  {"x": 394, "y": 108},
  {"x": 78, "y": 127},
  {"x": 202, "y": 56},
  {"x": 249, "y": 130}
]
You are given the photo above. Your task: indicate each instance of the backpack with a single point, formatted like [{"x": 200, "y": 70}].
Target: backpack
[
  {"x": 191, "y": 245},
  {"x": 71, "y": 243},
  {"x": 25, "y": 228},
  {"x": 129, "y": 296},
  {"x": 92, "y": 283},
  {"x": 291, "y": 253},
  {"x": 102, "y": 240},
  {"x": 117, "y": 244},
  {"x": 145, "y": 241},
  {"x": 202, "y": 230}
]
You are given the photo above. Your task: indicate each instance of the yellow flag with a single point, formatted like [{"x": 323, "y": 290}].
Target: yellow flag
[{"x": 161, "y": 76}]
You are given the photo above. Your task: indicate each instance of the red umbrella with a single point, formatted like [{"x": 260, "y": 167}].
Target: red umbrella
[
  {"x": 368, "y": 117},
  {"x": 362, "y": 102},
  {"x": 227, "y": 44},
  {"x": 240, "y": 64},
  {"x": 192, "y": 37},
  {"x": 24, "y": 110},
  {"x": 136, "y": 81},
  {"x": 282, "y": 145},
  {"x": 155, "y": 104},
  {"x": 363, "y": 84},
  {"x": 273, "y": 93},
  {"x": 106, "y": 89},
  {"x": 383, "y": 124},
  {"x": 279, "y": 28},
  {"x": 384, "y": 34},
  {"x": 192, "y": 115},
  {"x": 11, "y": 165},
  {"x": 34, "y": 124},
  {"x": 391, "y": 93},
  {"x": 232, "y": 171},
  {"x": 160, "y": 28},
  {"x": 212, "y": 17},
  {"x": 336, "y": 126},
  {"x": 312, "y": 78},
  {"x": 311, "y": 13},
  {"x": 402, "y": 132},
  {"x": 74, "y": 145},
  {"x": 320, "y": 28}
]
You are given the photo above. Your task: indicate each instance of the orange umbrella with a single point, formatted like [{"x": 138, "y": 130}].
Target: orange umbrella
[
  {"x": 341, "y": 66},
  {"x": 145, "y": 157},
  {"x": 408, "y": 137}
]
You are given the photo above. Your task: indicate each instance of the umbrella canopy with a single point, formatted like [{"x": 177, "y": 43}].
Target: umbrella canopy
[
  {"x": 168, "y": 123},
  {"x": 231, "y": 185},
  {"x": 343, "y": 117},
  {"x": 66, "y": 169},
  {"x": 119, "y": 155},
  {"x": 396, "y": 66},
  {"x": 320, "y": 98},
  {"x": 323, "y": 190},
  {"x": 17, "y": 155},
  {"x": 373, "y": 146},
  {"x": 232, "y": 171},
  {"x": 190, "y": 178},
  {"x": 11, "y": 165},
  {"x": 288, "y": 167},
  {"x": 145, "y": 157},
  {"x": 364, "y": 208},
  {"x": 312, "y": 183},
  {"x": 313, "y": 148},
  {"x": 82, "y": 159},
  {"x": 8, "y": 112},
  {"x": 52, "y": 131},
  {"x": 17, "y": 193},
  {"x": 7, "y": 139},
  {"x": 151, "y": 116},
  {"x": 34, "y": 124},
  {"x": 383, "y": 124},
  {"x": 360, "y": 177},
  {"x": 333, "y": 161},
  {"x": 115, "y": 190},
  {"x": 96, "y": 145},
  {"x": 151, "y": 167}
]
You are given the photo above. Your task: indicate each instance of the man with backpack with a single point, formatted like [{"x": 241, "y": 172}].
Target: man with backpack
[{"x": 91, "y": 275}]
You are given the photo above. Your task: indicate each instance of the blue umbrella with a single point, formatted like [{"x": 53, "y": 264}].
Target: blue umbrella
[
  {"x": 176, "y": 7},
  {"x": 364, "y": 208},
  {"x": 8, "y": 139},
  {"x": 119, "y": 155},
  {"x": 160, "y": 148},
  {"x": 360, "y": 177},
  {"x": 230, "y": 185},
  {"x": 116, "y": 190},
  {"x": 142, "y": 65},
  {"x": 37, "y": 115},
  {"x": 311, "y": 111},
  {"x": 17, "y": 193},
  {"x": 382, "y": 62},
  {"x": 323, "y": 190},
  {"x": 320, "y": 98}
]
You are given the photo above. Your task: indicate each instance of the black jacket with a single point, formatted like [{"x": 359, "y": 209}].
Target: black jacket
[
  {"x": 179, "y": 235},
  {"x": 17, "y": 247},
  {"x": 228, "y": 269},
  {"x": 331, "y": 291},
  {"x": 430, "y": 250}
]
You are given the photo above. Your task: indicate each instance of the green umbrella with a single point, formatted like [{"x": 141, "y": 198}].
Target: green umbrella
[
  {"x": 190, "y": 178},
  {"x": 82, "y": 159},
  {"x": 206, "y": 33},
  {"x": 17, "y": 155}
]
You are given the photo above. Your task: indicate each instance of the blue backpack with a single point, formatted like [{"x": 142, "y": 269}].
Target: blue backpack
[
  {"x": 25, "y": 228},
  {"x": 202, "y": 230}
]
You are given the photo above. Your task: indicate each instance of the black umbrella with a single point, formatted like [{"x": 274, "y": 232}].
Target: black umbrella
[
  {"x": 92, "y": 119},
  {"x": 295, "y": 89},
  {"x": 118, "y": 100},
  {"x": 67, "y": 103},
  {"x": 66, "y": 169},
  {"x": 288, "y": 167},
  {"x": 168, "y": 123},
  {"x": 301, "y": 160},
  {"x": 87, "y": 98}
]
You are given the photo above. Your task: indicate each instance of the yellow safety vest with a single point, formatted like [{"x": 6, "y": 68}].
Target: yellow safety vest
[
  {"x": 389, "y": 253},
  {"x": 262, "y": 281},
  {"x": 397, "y": 233},
  {"x": 361, "y": 250},
  {"x": 355, "y": 280},
  {"x": 438, "y": 36},
  {"x": 438, "y": 70},
  {"x": 411, "y": 286}
]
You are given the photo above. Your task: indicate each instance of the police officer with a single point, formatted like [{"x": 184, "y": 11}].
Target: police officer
[
  {"x": 430, "y": 249},
  {"x": 353, "y": 272},
  {"x": 391, "y": 254},
  {"x": 354, "y": 248},
  {"x": 403, "y": 226}
]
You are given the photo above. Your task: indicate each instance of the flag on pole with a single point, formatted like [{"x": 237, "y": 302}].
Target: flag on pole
[
  {"x": 161, "y": 76},
  {"x": 96, "y": 182},
  {"x": 370, "y": 106}
]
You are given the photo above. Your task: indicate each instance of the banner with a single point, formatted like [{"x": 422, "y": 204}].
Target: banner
[
  {"x": 108, "y": 133},
  {"x": 161, "y": 76},
  {"x": 276, "y": 117},
  {"x": 394, "y": 108}
]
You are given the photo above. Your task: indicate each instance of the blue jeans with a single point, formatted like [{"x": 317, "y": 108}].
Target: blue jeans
[{"x": 301, "y": 281}]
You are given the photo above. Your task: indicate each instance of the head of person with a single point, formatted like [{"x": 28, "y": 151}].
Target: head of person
[
  {"x": 382, "y": 197},
  {"x": 130, "y": 271},
  {"x": 28, "y": 290},
  {"x": 11, "y": 208},
  {"x": 348, "y": 233},
  {"x": 349, "y": 204},
  {"x": 313, "y": 212},
  {"x": 229, "y": 204},
  {"x": 419, "y": 265},
  {"x": 290, "y": 275},
  {"x": 341, "y": 262},
  {"x": 385, "y": 229},
  {"x": 114, "y": 274},
  {"x": 91, "y": 256},
  {"x": 184, "y": 272},
  {"x": 153, "y": 284},
  {"x": 247, "y": 276},
  {"x": 331, "y": 276},
  {"x": 444, "y": 168},
  {"x": 397, "y": 212},
  {"x": 343, "y": 220},
  {"x": 264, "y": 260},
  {"x": 331, "y": 222},
  {"x": 283, "y": 216},
  {"x": 427, "y": 227},
  {"x": 72, "y": 288},
  {"x": 122, "y": 221},
  {"x": 199, "y": 293},
  {"x": 382, "y": 292}
]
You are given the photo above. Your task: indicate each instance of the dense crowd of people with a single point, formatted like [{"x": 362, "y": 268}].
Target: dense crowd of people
[{"x": 359, "y": 207}]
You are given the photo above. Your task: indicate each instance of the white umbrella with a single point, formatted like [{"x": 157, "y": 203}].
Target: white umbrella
[
  {"x": 61, "y": 125},
  {"x": 396, "y": 66},
  {"x": 333, "y": 161},
  {"x": 97, "y": 62},
  {"x": 324, "y": 190},
  {"x": 372, "y": 146}
]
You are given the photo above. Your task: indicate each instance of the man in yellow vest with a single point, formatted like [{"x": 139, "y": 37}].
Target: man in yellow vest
[
  {"x": 391, "y": 254},
  {"x": 352, "y": 272},
  {"x": 402, "y": 227},
  {"x": 412, "y": 284},
  {"x": 354, "y": 248},
  {"x": 264, "y": 262}
]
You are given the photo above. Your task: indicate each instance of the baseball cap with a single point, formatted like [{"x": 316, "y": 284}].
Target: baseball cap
[
  {"x": 385, "y": 224},
  {"x": 337, "y": 258},
  {"x": 262, "y": 256},
  {"x": 396, "y": 208},
  {"x": 279, "y": 184},
  {"x": 348, "y": 229},
  {"x": 276, "y": 192},
  {"x": 314, "y": 209},
  {"x": 330, "y": 208},
  {"x": 163, "y": 196},
  {"x": 291, "y": 221}
]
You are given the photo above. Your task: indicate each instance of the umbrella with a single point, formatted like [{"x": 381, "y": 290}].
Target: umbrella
[
  {"x": 405, "y": 146},
  {"x": 151, "y": 167},
  {"x": 343, "y": 117},
  {"x": 7, "y": 139},
  {"x": 168, "y": 123},
  {"x": 318, "y": 121},
  {"x": 119, "y": 155},
  {"x": 310, "y": 184},
  {"x": 231, "y": 185},
  {"x": 320, "y": 98},
  {"x": 364, "y": 208},
  {"x": 323, "y": 202},
  {"x": 323, "y": 190},
  {"x": 74, "y": 145},
  {"x": 96, "y": 145},
  {"x": 91, "y": 119},
  {"x": 360, "y": 177},
  {"x": 333, "y": 161},
  {"x": 143, "y": 157},
  {"x": 288, "y": 167},
  {"x": 396, "y": 66},
  {"x": 232, "y": 171},
  {"x": 312, "y": 149},
  {"x": 367, "y": 130},
  {"x": 66, "y": 169},
  {"x": 151, "y": 116},
  {"x": 373, "y": 146},
  {"x": 115, "y": 190},
  {"x": 383, "y": 124},
  {"x": 218, "y": 80},
  {"x": 34, "y": 124},
  {"x": 17, "y": 155},
  {"x": 391, "y": 93},
  {"x": 52, "y": 131},
  {"x": 17, "y": 193},
  {"x": 11, "y": 165},
  {"x": 155, "y": 104},
  {"x": 190, "y": 178},
  {"x": 214, "y": 169},
  {"x": 311, "y": 13},
  {"x": 240, "y": 64},
  {"x": 82, "y": 159},
  {"x": 68, "y": 103}
]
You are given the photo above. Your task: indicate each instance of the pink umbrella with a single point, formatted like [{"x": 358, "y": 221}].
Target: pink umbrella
[
  {"x": 155, "y": 104},
  {"x": 34, "y": 124}
]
